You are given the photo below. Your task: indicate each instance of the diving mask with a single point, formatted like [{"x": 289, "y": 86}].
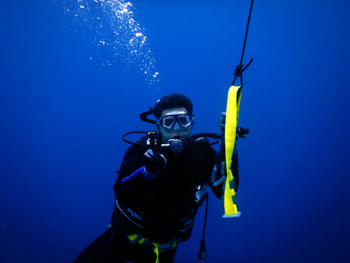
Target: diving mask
[{"x": 169, "y": 121}]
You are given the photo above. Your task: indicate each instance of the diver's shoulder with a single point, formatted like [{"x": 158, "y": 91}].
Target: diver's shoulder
[
  {"x": 200, "y": 141},
  {"x": 202, "y": 144}
]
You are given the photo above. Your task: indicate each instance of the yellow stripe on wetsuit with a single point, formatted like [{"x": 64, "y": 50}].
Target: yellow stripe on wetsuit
[{"x": 232, "y": 111}]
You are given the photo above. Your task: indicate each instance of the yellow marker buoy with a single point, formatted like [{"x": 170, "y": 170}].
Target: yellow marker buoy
[{"x": 232, "y": 111}]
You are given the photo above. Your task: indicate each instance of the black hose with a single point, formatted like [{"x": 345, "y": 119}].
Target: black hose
[{"x": 202, "y": 253}]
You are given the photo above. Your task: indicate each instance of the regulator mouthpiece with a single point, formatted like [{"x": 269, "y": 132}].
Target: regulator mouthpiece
[{"x": 176, "y": 145}]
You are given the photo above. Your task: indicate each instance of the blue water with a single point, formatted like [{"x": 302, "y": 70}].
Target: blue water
[{"x": 66, "y": 98}]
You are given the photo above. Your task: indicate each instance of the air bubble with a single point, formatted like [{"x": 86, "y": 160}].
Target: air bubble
[{"x": 113, "y": 25}]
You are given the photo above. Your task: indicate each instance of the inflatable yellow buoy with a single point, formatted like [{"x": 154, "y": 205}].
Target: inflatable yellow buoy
[{"x": 232, "y": 111}]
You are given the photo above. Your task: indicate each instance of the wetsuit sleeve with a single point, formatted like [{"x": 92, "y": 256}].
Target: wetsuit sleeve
[
  {"x": 216, "y": 181},
  {"x": 131, "y": 182},
  {"x": 218, "y": 175},
  {"x": 234, "y": 168}
]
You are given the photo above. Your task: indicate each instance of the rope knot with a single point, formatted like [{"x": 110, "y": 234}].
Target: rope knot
[{"x": 238, "y": 70}]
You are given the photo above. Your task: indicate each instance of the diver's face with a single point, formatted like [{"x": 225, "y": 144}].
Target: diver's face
[{"x": 175, "y": 122}]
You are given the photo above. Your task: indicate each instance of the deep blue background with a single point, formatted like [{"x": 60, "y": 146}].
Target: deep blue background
[{"x": 62, "y": 115}]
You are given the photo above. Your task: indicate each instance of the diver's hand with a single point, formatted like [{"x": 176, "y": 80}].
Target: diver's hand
[{"x": 154, "y": 162}]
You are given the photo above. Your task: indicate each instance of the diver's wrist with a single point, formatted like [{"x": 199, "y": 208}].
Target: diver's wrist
[{"x": 152, "y": 175}]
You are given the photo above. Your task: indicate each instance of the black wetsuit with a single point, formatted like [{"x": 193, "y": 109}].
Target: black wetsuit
[{"x": 161, "y": 210}]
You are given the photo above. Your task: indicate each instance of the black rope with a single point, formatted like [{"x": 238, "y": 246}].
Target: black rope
[
  {"x": 240, "y": 68},
  {"x": 246, "y": 31},
  {"x": 202, "y": 253}
]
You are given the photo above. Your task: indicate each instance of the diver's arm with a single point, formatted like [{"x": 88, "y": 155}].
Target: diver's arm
[
  {"x": 218, "y": 175},
  {"x": 132, "y": 161},
  {"x": 234, "y": 168},
  {"x": 217, "y": 180},
  {"x": 136, "y": 175}
]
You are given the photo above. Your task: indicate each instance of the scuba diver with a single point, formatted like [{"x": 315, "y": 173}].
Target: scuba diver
[
  {"x": 162, "y": 181},
  {"x": 165, "y": 177}
]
